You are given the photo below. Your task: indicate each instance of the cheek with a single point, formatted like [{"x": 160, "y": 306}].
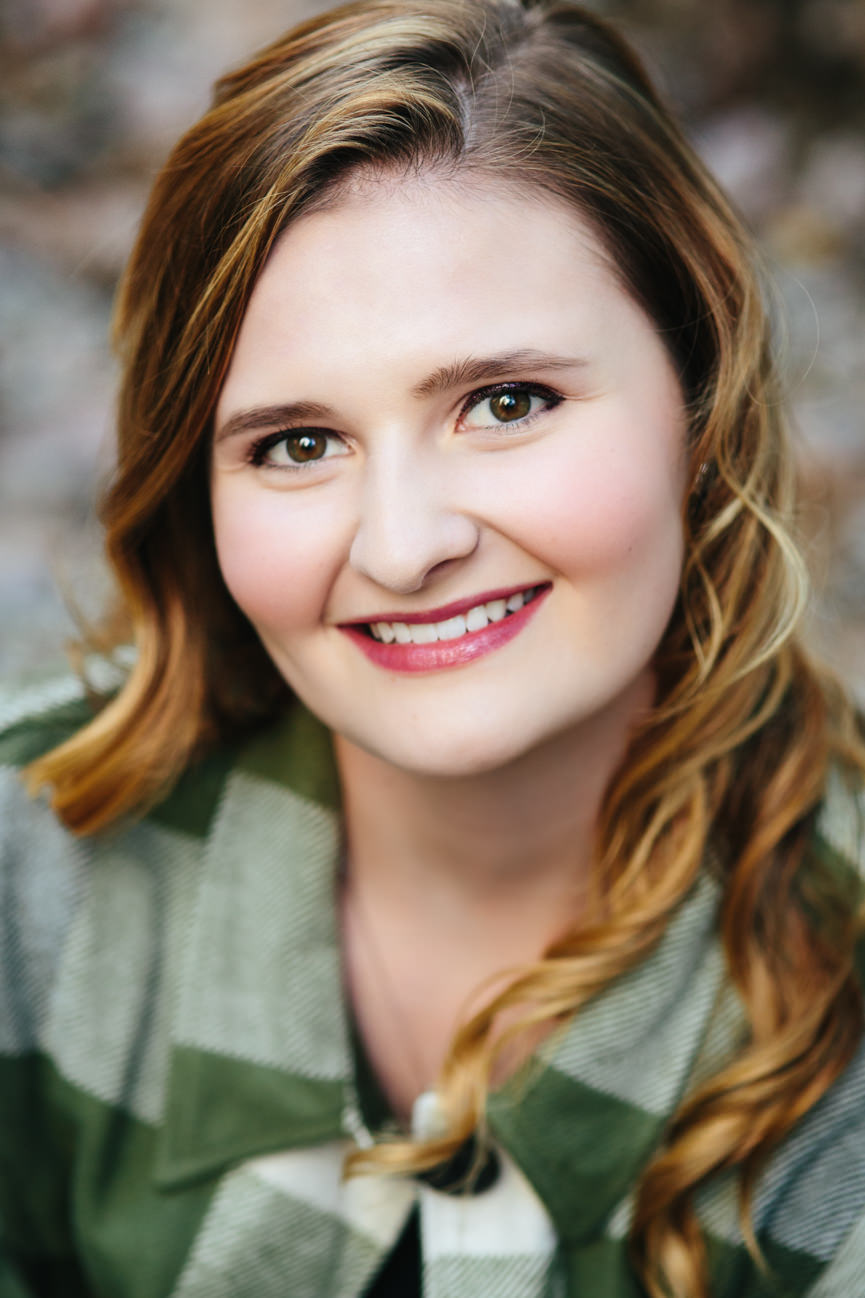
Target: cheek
[
  {"x": 276, "y": 558},
  {"x": 611, "y": 514}
]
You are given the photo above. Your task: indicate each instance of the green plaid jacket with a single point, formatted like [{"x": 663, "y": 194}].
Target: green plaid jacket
[{"x": 176, "y": 1075}]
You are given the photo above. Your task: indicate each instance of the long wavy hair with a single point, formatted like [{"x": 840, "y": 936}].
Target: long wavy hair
[{"x": 539, "y": 95}]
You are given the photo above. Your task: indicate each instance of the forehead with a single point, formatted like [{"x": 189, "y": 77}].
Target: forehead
[
  {"x": 436, "y": 220},
  {"x": 407, "y": 273}
]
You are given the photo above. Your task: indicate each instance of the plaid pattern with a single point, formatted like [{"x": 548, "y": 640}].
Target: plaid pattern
[{"x": 176, "y": 1074}]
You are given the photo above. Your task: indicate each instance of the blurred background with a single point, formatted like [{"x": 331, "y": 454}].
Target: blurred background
[{"x": 92, "y": 95}]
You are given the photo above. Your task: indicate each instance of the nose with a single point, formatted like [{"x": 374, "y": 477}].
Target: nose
[{"x": 408, "y": 525}]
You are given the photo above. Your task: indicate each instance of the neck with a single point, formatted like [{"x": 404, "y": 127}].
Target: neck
[
  {"x": 451, "y": 883},
  {"x": 492, "y": 841}
]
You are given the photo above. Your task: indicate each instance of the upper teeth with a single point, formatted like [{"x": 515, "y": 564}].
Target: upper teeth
[{"x": 475, "y": 619}]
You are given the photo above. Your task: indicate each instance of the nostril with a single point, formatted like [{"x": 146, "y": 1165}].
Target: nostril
[
  {"x": 442, "y": 567},
  {"x": 400, "y": 550}
]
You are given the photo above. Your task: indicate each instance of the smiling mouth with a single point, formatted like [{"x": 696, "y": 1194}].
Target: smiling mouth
[{"x": 475, "y": 618}]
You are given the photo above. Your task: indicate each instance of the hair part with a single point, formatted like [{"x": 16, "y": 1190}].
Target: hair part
[{"x": 542, "y": 95}]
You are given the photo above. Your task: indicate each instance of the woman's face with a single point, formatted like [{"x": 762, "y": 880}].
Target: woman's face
[{"x": 447, "y": 474}]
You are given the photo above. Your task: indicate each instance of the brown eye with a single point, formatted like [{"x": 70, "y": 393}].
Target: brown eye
[
  {"x": 499, "y": 407},
  {"x": 303, "y": 447},
  {"x": 510, "y": 405},
  {"x": 293, "y": 451}
]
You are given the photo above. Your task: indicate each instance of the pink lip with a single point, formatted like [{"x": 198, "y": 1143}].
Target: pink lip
[{"x": 442, "y": 654}]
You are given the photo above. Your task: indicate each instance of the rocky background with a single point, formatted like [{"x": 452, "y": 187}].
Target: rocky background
[{"x": 92, "y": 94}]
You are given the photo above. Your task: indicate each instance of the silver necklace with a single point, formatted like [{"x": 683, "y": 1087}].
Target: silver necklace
[
  {"x": 465, "y": 1170},
  {"x": 427, "y": 1116}
]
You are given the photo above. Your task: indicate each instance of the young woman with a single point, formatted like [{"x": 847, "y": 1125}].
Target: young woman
[{"x": 459, "y": 894}]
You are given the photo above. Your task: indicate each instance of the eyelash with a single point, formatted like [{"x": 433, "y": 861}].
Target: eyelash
[
  {"x": 550, "y": 397},
  {"x": 257, "y": 453}
]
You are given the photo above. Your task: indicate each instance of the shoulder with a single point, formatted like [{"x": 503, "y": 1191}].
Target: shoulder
[
  {"x": 92, "y": 932},
  {"x": 40, "y": 864},
  {"x": 814, "y": 1191},
  {"x": 35, "y": 718},
  {"x": 808, "y": 1204},
  {"x": 38, "y": 718},
  {"x": 813, "y": 1195},
  {"x": 79, "y": 910},
  {"x": 812, "y": 1198}
]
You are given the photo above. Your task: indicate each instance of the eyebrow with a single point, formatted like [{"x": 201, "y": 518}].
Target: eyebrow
[
  {"x": 292, "y": 412},
  {"x": 475, "y": 369},
  {"x": 462, "y": 373}
]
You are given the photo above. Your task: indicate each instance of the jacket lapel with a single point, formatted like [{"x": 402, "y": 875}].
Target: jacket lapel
[{"x": 260, "y": 1051}]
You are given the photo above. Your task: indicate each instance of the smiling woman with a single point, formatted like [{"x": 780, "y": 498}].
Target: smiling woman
[
  {"x": 460, "y": 892},
  {"x": 424, "y": 502}
]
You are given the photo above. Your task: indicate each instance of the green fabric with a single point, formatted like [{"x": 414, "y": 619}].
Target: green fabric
[
  {"x": 178, "y": 1085},
  {"x": 552, "y": 1132},
  {"x": 221, "y": 1110}
]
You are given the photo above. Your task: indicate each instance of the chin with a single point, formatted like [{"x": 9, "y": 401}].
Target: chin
[
  {"x": 450, "y": 756},
  {"x": 452, "y": 764}
]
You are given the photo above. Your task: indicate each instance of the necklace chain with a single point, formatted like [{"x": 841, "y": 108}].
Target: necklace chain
[
  {"x": 427, "y": 1117},
  {"x": 355, "y": 914}
]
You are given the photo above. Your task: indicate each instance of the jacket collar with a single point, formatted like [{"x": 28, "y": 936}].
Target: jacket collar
[{"x": 261, "y": 1056}]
